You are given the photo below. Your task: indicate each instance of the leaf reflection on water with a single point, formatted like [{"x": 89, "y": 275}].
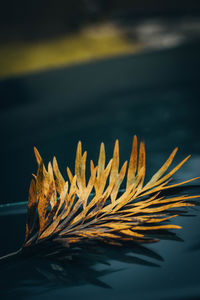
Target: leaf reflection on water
[
  {"x": 53, "y": 266},
  {"x": 59, "y": 267}
]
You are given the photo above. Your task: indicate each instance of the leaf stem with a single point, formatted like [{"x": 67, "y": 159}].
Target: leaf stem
[{"x": 10, "y": 255}]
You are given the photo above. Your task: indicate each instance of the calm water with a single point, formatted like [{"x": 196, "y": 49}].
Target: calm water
[{"x": 155, "y": 95}]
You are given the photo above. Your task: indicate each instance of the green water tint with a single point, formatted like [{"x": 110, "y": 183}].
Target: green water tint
[
  {"x": 155, "y": 95},
  {"x": 99, "y": 270}
]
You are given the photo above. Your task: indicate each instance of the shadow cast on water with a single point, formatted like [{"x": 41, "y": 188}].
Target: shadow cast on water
[
  {"x": 51, "y": 265},
  {"x": 54, "y": 267}
]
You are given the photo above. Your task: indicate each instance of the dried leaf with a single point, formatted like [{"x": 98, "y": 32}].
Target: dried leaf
[
  {"x": 60, "y": 182},
  {"x": 132, "y": 163},
  {"x": 98, "y": 209},
  {"x": 32, "y": 206}
]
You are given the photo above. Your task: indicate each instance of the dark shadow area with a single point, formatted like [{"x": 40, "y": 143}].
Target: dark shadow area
[
  {"x": 52, "y": 266},
  {"x": 55, "y": 267}
]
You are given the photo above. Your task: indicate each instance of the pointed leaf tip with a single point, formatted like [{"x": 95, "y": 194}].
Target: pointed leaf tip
[
  {"x": 37, "y": 155},
  {"x": 75, "y": 209}
]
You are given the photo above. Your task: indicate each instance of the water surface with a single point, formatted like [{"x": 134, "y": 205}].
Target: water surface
[{"x": 155, "y": 95}]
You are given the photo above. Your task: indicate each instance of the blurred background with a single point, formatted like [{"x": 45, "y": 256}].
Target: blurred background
[
  {"x": 44, "y": 34},
  {"x": 96, "y": 70}
]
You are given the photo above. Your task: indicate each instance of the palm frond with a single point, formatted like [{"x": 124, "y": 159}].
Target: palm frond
[{"x": 76, "y": 210}]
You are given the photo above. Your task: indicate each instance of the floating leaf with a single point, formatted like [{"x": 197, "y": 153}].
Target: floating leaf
[{"x": 75, "y": 209}]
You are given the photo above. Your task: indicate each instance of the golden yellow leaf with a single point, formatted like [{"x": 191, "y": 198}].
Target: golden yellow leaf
[
  {"x": 32, "y": 206},
  {"x": 132, "y": 163},
  {"x": 60, "y": 182},
  {"x": 99, "y": 208}
]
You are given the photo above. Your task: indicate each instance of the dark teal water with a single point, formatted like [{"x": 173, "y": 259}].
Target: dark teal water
[
  {"x": 169, "y": 269},
  {"x": 155, "y": 95}
]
